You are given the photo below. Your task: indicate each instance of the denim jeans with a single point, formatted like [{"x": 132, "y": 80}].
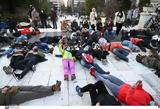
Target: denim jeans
[
  {"x": 96, "y": 67},
  {"x": 54, "y": 24},
  {"x": 121, "y": 53},
  {"x": 112, "y": 82},
  {"x": 127, "y": 44}
]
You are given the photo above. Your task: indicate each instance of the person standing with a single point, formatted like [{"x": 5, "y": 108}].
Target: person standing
[
  {"x": 35, "y": 17},
  {"x": 43, "y": 17},
  {"x": 54, "y": 18},
  {"x": 119, "y": 20},
  {"x": 30, "y": 11},
  {"x": 93, "y": 17}
]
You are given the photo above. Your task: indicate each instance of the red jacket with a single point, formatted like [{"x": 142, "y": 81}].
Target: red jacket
[
  {"x": 136, "y": 40},
  {"x": 137, "y": 96}
]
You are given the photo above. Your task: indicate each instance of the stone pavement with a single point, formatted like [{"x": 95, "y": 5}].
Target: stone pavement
[{"x": 48, "y": 72}]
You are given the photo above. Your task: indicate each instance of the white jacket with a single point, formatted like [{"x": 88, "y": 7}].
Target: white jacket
[
  {"x": 93, "y": 16},
  {"x": 118, "y": 19}
]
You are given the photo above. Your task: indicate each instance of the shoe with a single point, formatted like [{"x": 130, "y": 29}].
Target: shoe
[
  {"x": 92, "y": 71},
  {"x": 8, "y": 70},
  {"x": 73, "y": 77},
  {"x": 78, "y": 90},
  {"x": 66, "y": 77},
  {"x": 33, "y": 68},
  {"x": 108, "y": 72},
  {"x": 104, "y": 61},
  {"x": 117, "y": 58},
  {"x": 127, "y": 60},
  {"x": 57, "y": 86},
  {"x": 51, "y": 50},
  {"x": 17, "y": 76}
]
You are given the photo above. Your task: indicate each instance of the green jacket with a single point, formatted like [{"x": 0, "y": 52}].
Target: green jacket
[{"x": 65, "y": 54}]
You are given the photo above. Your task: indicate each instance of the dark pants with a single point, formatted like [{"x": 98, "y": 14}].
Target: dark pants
[
  {"x": 100, "y": 54},
  {"x": 44, "y": 23},
  {"x": 96, "y": 67},
  {"x": 27, "y": 93},
  {"x": 15, "y": 60},
  {"x": 54, "y": 24},
  {"x": 119, "y": 27},
  {"x": 141, "y": 45},
  {"x": 121, "y": 53},
  {"x": 95, "y": 90},
  {"x": 35, "y": 23},
  {"x": 27, "y": 65}
]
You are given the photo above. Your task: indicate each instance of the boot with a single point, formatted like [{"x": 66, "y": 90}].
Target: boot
[
  {"x": 57, "y": 86},
  {"x": 73, "y": 77},
  {"x": 66, "y": 77}
]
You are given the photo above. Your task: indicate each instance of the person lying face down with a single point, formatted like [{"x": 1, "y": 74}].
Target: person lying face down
[
  {"x": 130, "y": 95},
  {"x": 15, "y": 95}
]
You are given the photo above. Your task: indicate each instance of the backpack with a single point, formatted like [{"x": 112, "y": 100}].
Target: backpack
[{"x": 87, "y": 58}]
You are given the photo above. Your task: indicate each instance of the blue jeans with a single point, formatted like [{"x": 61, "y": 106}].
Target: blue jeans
[
  {"x": 112, "y": 82},
  {"x": 121, "y": 53},
  {"x": 127, "y": 44},
  {"x": 96, "y": 67},
  {"x": 54, "y": 24}
]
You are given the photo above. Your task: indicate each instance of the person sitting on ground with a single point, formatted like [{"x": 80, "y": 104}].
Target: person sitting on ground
[
  {"x": 98, "y": 94},
  {"x": 15, "y": 95},
  {"x": 118, "y": 50},
  {"x": 99, "y": 25},
  {"x": 68, "y": 60},
  {"x": 151, "y": 61},
  {"x": 32, "y": 58},
  {"x": 85, "y": 24},
  {"x": 74, "y": 26},
  {"x": 130, "y": 95}
]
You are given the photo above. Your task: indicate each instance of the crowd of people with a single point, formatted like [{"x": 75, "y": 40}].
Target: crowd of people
[{"x": 90, "y": 39}]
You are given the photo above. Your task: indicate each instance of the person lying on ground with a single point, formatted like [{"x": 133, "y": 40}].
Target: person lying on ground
[
  {"x": 130, "y": 95},
  {"x": 44, "y": 47},
  {"x": 32, "y": 58},
  {"x": 87, "y": 61},
  {"x": 99, "y": 53},
  {"x": 98, "y": 94},
  {"x": 151, "y": 61},
  {"x": 18, "y": 55},
  {"x": 117, "y": 49},
  {"x": 15, "y": 95}
]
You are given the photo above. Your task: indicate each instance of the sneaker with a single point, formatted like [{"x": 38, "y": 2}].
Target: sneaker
[
  {"x": 8, "y": 70},
  {"x": 108, "y": 72},
  {"x": 33, "y": 68},
  {"x": 78, "y": 90},
  {"x": 73, "y": 77},
  {"x": 17, "y": 76},
  {"x": 57, "y": 86},
  {"x": 117, "y": 58},
  {"x": 66, "y": 77},
  {"x": 104, "y": 61}
]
